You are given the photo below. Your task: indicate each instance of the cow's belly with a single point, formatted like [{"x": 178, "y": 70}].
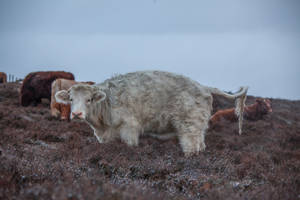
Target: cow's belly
[{"x": 158, "y": 126}]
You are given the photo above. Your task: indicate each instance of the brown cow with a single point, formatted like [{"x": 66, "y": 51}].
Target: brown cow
[
  {"x": 58, "y": 108},
  {"x": 3, "y": 77},
  {"x": 252, "y": 112},
  {"x": 37, "y": 85}
]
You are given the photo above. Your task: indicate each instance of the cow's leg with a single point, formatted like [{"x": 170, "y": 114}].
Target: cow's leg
[
  {"x": 55, "y": 109},
  {"x": 191, "y": 134},
  {"x": 65, "y": 112},
  {"x": 191, "y": 142},
  {"x": 129, "y": 132},
  {"x": 55, "y": 112},
  {"x": 35, "y": 102}
]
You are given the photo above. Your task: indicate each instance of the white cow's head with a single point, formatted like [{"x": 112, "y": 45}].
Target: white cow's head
[{"x": 82, "y": 98}]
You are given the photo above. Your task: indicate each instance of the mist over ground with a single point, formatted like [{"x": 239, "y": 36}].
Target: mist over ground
[{"x": 220, "y": 44}]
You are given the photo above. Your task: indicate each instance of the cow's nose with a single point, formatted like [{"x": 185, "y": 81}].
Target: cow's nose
[{"x": 76, "y": 114}]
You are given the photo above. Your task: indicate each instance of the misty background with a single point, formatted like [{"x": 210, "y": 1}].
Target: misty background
[{"x": 223, "y": 44}]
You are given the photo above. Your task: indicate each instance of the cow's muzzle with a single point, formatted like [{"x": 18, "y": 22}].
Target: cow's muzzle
[{"x": 77, "y": 115}]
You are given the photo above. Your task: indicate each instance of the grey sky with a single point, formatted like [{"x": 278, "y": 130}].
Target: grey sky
[{"x": 224, "y": 44}]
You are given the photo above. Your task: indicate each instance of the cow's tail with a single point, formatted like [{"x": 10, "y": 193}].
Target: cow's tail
[{"x": 240, "y": 98}]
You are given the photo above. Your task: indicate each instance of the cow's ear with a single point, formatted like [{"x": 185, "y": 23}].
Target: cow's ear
[
  {"x": 62, "y": 96},
  {"x": 98, "y": 95}
]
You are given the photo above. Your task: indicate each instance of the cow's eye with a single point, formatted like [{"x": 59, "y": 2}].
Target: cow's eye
[{"x": 89, "y": 100}]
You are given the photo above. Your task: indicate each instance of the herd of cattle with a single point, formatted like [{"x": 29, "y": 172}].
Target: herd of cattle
[{"x": 126, "y": 106}]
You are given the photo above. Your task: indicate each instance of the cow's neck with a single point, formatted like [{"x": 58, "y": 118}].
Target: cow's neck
[{"x": 99, "y": 117}]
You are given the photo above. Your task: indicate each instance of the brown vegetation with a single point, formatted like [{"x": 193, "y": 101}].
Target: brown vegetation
[{"x": 44, "y": 158}]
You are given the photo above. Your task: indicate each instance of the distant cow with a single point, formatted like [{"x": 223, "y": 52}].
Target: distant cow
[
  {"x": 59, "y": 108},
  {"x": 37, "y": 85},
  {"x": 252, "y": 112},
  {"x": 157, "y": 102},
  {"x": 3, "y": 77}
]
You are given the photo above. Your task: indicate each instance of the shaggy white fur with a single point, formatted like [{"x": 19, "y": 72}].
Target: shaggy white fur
[{"x": 126, "y": 106}]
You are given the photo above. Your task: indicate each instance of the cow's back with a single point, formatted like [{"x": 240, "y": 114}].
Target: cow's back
[
  {"x": 154, "y": 83},
  {"x": 153, "y": 95}
]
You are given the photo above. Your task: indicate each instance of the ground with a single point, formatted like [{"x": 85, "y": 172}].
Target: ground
[{"x": 44, "y": 158}]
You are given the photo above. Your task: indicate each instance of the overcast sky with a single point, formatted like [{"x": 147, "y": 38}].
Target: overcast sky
[{"x": 224, "y": 44}]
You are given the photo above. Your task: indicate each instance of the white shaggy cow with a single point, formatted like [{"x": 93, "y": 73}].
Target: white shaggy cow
[
  {"x": 157, "y": 102},
  {"x": 57, "y": 108}
]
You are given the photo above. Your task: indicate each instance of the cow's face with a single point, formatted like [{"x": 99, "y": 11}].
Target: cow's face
[
  {"x": 265, "y": 106},
  {"x": 82, "y": 98}
]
